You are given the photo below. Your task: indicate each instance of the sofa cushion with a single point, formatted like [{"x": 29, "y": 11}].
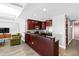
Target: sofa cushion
[
  {"x": 7, "y": 35},
  {"x": 15, "y": 37}
]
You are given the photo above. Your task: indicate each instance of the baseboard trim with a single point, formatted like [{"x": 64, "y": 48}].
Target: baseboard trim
[
  {"x": 70, "y": 41},
  {"x": 23, "y": 39},
  {"x": 62, "y": 46}
]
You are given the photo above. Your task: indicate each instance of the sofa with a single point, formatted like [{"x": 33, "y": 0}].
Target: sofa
[
  {"x": 5, "y": 36},
  {"x": 2, "y": 42},
  {"x": 15, "y": 40}
]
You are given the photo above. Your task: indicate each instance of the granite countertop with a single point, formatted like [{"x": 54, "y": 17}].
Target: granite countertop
[{"x": 52, "y": 37}]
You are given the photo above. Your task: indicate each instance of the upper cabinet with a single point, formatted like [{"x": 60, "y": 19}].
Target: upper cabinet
[
  {"x": 30, "y": 24},
  {"x": 48, "y": 22},
  {"x": 34, "y": 24},
  {"x": 43, "y": 25},
  {"x": 37, "y": 25}
]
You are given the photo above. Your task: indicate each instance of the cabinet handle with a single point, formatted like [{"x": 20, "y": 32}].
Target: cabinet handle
[{"x": 32, "y": 42}]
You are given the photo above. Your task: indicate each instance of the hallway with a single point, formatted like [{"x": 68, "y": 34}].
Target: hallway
[{"x": 72, "y": 49}]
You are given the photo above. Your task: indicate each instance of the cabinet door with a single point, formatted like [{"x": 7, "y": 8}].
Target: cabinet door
[
  {"x": 35, "y": 43},
  {"x": 28, "y": 39},
  {"x": 42, "y": 46},
  {"x": 37, "y": 25},
  {"x": 45, "y": 46},
  {"x": 30, "y": 24},
  {"x": 49, "y": 23},
  {"x": 43, "y": 25}
]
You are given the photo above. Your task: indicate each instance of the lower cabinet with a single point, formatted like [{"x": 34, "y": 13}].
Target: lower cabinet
[{"x": 43, "y": 46}]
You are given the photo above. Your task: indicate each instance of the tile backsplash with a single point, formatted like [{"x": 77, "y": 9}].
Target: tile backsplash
[{"x": 33, "y": 31}]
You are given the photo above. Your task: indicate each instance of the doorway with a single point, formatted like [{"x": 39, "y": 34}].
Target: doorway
[
  {"x": 68, "y": 31},
  {"x": 72, "y": 34}
]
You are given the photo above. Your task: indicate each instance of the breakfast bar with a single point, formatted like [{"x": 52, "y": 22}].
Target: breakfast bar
[{"x": 44, "y": 46}]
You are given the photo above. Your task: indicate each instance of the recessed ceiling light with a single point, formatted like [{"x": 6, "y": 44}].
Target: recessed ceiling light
[{"x": 44, "y": 9}]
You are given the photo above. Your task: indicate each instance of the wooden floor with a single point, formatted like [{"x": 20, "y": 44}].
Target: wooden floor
[
  {"x": 72, "y": 49},
  {"x": 18, "y": 50},
  {"x": 25, "y": 50}
]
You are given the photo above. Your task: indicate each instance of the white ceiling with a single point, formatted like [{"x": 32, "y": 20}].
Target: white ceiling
[
  {"x": 19, "y": 4},
  {"x": 43, "y": 11},
  {"x": 35, "y": 10},
  {"x": 11, "y": 10}
]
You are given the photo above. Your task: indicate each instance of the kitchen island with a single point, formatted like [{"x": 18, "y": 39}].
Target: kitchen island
[{"x": 44, "y": 46}]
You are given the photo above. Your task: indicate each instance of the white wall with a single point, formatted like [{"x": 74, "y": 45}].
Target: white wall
[
  {"x": 35, "y": 10},
  {"x": 14, "y": 27},
  {"x": 21, "y": 20},
  {"x": 69, "y": 31},
  {"x": 59, "y": 29},
  {"x": 22, "y": 23}
]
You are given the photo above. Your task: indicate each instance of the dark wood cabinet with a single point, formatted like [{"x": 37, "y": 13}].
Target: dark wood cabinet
[
  {"x": 37, "y": 25},
  {"x": 48, "y": 22},
  {"x": 33, "y": 24},
  {"x": 42, "y": 45},
  {"x": 43, "y": 25},
  {"x": 30, "y": 24}
]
